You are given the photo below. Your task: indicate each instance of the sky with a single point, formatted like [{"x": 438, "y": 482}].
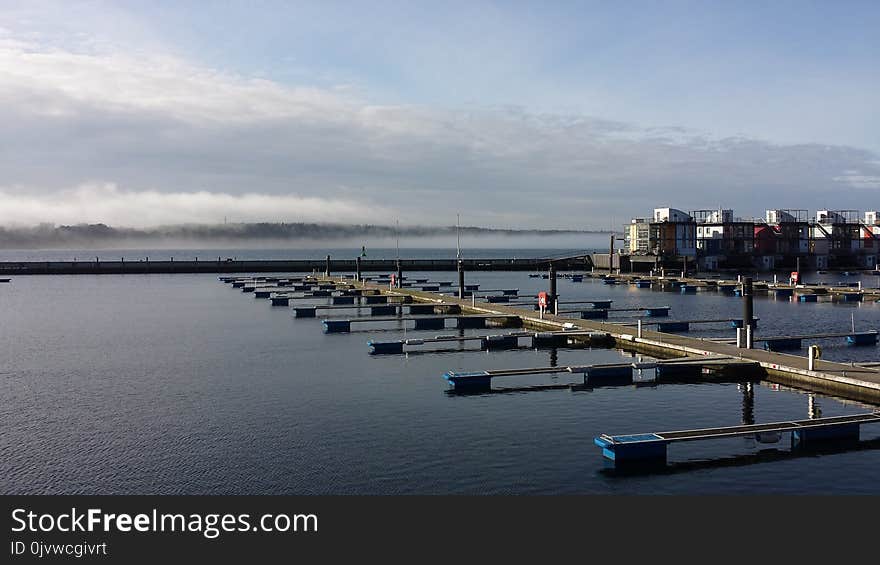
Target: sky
[{"x": 575, "y": 115}]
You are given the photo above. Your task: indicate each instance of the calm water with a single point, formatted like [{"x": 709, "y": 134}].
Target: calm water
[{"x": 180, "y": 384}]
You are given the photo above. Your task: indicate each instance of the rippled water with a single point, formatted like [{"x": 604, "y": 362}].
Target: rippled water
[{"x": 181, "y": 384}]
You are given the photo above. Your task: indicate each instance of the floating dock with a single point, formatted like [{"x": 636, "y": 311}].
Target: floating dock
[
  {"x": 495, "y": 342},
  {"x": 650, "y": 448},
  {"x": 429, "y": 322},
  {"x": 610, "y": 374}
]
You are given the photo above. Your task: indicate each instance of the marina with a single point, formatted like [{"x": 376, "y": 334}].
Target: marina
[
  {"x": 405, "y": 338},
  {"x": 702, "y": 359}
]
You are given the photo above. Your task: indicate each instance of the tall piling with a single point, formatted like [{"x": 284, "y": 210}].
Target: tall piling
[
  {"x": 357, "y": 269},
  {"x": 460, "y": 279},
  {"x": 399, "y": 274},
  {"x": 327, "y": 268},
  {"x": 748, "y": 311},
  {"x": 611, "y": 256},
  {"x": 554, "y": 303}
]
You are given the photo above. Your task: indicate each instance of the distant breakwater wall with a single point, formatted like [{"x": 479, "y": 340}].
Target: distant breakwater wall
[{"x": 279, "y": 266}]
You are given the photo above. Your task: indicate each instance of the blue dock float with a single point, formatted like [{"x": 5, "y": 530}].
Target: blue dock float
[
  {"x": 838, "y": 432},
  {"x": 673, "y": 326},
  {"x": 594, "y": 314},
  {"x": 642, "y": 284},
  {"x": 726, "y": 288},
  {"x": 808, "y": 298},
  {"x": 304, "y": 312},
  {"x": 475, "y": 380},
  {"x": 688, "y": 289},
  {"x": 342, "y": 299},
  {"x": 336, "y": 326},
  {"x": 263, "y": 293},
  {"x": 650, "y": 449},
  {"x": 739, "y": 323},
  {"x": 657, "y": 312},
  {"x": 850, "y": 297},
  {"x": 783, "y": 292},
  {"x": 609, "y": 280},
  {"x": 866, "y": 338},
  {"x": 280, "y": 300},
  {"x": 782, "y": 343},
  {"x": 385, "y": 347},
  {"x": 636, "y": 448},
  {"x": 738, "y": 292}
]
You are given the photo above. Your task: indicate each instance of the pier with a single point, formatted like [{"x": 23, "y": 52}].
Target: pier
[{"x": 842, "y": 379}]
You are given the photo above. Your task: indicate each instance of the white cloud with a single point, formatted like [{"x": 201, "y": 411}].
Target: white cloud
[{"x": 172, "y": 141}]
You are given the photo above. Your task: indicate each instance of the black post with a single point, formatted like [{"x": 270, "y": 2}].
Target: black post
[
  {"x": 748, "y": 310},
  {"x": 797, "y": 269},
  {"x": 357, "y": 269},
  {"x": 399, "y": 275},
  {"x": 460, "y": 279},
  {"x": 327, "y": 269},
  {"x": 611, "y": 256},
  {"x": 552, "y": 296}
]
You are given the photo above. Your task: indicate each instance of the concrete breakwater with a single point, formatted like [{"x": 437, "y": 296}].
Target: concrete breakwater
[{"x": 279, "y": 266}]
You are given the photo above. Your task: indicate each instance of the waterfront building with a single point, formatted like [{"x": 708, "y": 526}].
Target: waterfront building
[{"x": 782, "y": 239}]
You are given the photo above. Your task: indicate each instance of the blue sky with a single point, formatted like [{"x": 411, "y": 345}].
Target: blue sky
[{"x": 610, "y": 108}]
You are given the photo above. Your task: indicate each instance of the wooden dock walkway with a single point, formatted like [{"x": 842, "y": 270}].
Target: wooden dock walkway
[{"x": 843, "y": 379}]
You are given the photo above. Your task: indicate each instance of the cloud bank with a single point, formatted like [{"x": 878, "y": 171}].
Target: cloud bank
[
  {"x": 96, "y": 203},
  {"x": 141, "y": 140}
]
